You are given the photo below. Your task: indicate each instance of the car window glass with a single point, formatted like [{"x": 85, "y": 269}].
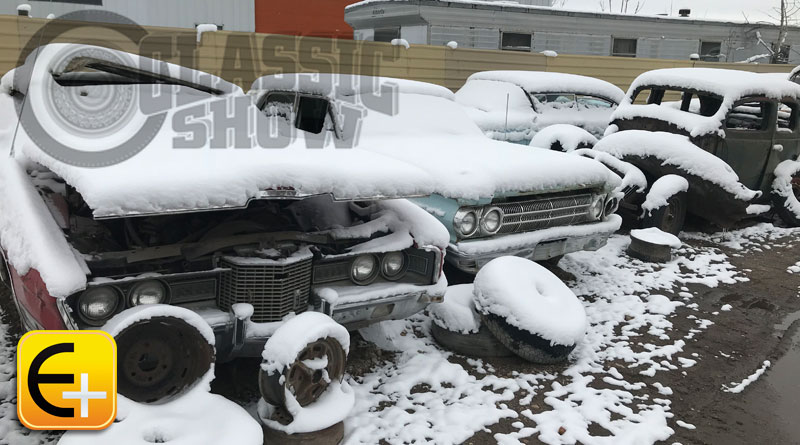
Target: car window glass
[
  {"x": 747, "y": 116},
  {"x": 555, "y": 100},
  {"x": 787, "y": 116},
  {"x": 591, "y": 103},
  {"x": 695, "y": 102},
  {"x": 313, "y": 114},
  {"x": 280, "y": 106}
]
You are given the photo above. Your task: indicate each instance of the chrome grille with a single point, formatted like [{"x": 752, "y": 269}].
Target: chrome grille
[
  {"x": 275, "y": 289},
  {"x": 536, "y": 214}
]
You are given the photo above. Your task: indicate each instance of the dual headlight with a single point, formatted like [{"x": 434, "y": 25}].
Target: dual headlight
[
  {"x": 98, "y": 304},
  {"x": 469, "y": 221},
  {"x": 365, "y": 268}
]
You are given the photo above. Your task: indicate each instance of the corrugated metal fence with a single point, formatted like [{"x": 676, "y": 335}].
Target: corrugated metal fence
[{"x": 243, "y": 57}]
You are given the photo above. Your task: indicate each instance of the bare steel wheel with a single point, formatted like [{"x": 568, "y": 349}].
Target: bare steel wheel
[
  {"x": 787, "y": 206},
  {"x": 160, "y": 359},
  {"x": 318, "y": 364}
]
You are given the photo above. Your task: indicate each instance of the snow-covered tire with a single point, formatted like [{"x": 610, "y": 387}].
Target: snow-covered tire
[
  {"x": 786, "y": 192},
  {"x": 481, "y": 344},
  {"x": 5, "y": 277},
  {"x": 457, "y": 327},
  {"x": 563, "y": 137},
  {"x": 531, "y": 347},
  {"x": 306, "y": 338},
  {"x": 671, "y": 217},
  {"x": 529, "y": 310},
  {"x": 160, "y": 355}
]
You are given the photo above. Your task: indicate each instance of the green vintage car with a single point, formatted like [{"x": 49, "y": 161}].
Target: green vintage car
[{"x": 732, "y": 136}]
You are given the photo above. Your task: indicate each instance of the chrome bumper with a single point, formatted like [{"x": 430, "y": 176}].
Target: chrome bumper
[
  {"x": 471, "y": 256},
  {"x": 238, "y": 336}
]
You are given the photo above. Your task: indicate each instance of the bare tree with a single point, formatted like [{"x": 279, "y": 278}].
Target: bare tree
[
  {"x": 786, "y": 15},
  {"x": 559, "y": 3}
]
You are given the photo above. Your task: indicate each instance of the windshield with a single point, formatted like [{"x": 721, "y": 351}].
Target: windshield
[{"x": 689, "y": 101}]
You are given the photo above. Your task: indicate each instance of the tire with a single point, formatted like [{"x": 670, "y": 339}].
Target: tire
[
  {"x": 160, "y": 359},
  {"x": 5, "y": 277},
  {"x": 481, "y": 344},
  {"x": 305, "y": 384},
  {"x": 524, "y": 344},
  {"x": 671, "y": 217}
]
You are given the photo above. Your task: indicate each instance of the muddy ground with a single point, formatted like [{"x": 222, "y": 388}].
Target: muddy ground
[{"x": 764, "y": 324}]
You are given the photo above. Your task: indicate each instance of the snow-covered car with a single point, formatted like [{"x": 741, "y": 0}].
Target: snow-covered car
[
  {"x": 516, "y": 105},
  {"x": 495, "y": 198},
  {"x": 241, "y": 239},
  {"x": 719, "y": 144}
]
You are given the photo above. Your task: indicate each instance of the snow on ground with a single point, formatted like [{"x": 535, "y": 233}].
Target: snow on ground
[
  {"x": 426, "y": 395},
  {"x": 739, "y": 387}
]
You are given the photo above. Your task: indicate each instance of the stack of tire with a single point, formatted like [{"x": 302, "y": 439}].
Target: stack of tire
[{"x": 514, "y": 307}]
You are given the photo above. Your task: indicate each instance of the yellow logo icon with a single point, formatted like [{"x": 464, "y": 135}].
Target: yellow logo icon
[{"x": 67, "y": 380}]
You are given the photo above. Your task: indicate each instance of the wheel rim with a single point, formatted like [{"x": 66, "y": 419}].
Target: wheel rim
[
  {"x": 160, "y": 359},
  {"x": 308, "y": 377}
]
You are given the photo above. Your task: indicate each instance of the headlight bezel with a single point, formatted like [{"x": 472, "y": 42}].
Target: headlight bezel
[
  {"x": 597, "y": 208},
  {"x": 400, "y": 272},
  {"x": 136, "y": 286},
  {"x": 373, "y": 275},
  {"x": 459, "y": 217},
  {"x": 487, "y": 211},
  {"x": 98, "y": 321}
]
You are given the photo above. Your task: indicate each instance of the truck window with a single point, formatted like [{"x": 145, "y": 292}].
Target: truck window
[
  {"x": 748, "y": 116},
  {"x": 312, "y": 114},
  {"x": 279, "y": 105},
  {"x": 787, "y": 116}
]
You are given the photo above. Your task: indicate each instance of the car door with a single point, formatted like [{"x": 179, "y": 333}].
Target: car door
[
  {"x": 748, "y": 139},
  {"x": 786, "y": 139}
]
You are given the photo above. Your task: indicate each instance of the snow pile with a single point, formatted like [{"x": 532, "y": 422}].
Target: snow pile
[
  {"x": 457, "y": 311},
  {"x": 531, "y": 298},
  {"x": 739, "y": 387},
  {"x": 678, "y": 151},
  {"x": 662, "y": 190},
  {"x": 129, "y": 317},
  {"x": 549, "y": 53},
  {"x": 783, "y": 187},
  {"x": 289, "y": 341},
  {"x": 452, "y": 44},
  {"x": 31, "y": 237},
  {"x": 755, "y": 238},
  {"x": 658, "y": 237},
  {"x": 196, "y": 418},
  {"x": 632, "y": 178},
  {"x": 569, "y": 136}
]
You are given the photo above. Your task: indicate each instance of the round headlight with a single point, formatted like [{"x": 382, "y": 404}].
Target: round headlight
[
  {"x": 148, "y": 292},
  {"x": 466, "y": 222},
  {"x": 364, "y": 269},
  {"x": 596, "y": 210},
  {"x": 393, "y": 265},
  {"x": 98, "y": 304},
  {"x": 491, "y": 221}
]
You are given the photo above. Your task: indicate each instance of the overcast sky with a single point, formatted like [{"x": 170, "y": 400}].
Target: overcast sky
[{"x": 756, "y": 10}]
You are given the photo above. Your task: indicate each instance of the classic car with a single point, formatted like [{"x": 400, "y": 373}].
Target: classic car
[
  {"x": 515, "y": 105},
  {"x": 242, "y": 236},
  {"x": 732, "y": 135},
  {"x": 495, "y": 198}
]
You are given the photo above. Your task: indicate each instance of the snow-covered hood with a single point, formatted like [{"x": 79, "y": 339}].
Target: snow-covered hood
[
  {"x": 467, "y": 165},
  {"x": 162, "y": 178}
]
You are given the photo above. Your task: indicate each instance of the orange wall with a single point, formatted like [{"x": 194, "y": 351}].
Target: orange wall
[{"x": 319, "y": 18}]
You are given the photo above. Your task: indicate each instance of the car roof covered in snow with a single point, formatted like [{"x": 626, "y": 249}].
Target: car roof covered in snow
[
  {"x": 345, "y": 85},
  {"x": 547, "y": 82},
  {"x": 729, "y": 84}
]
